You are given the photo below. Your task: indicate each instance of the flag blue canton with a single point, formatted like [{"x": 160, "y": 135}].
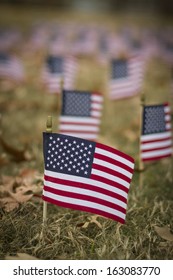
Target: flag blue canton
[
  {"x": 154, "y": 119},
  {"x": 55, "y": 64},
  {"x": 119, "y": 69},
  {"x": 3, "y": 57},
  {"x": 68, "y": 155},
  {"x": 76, "y": 103},
  {"x": 169, "y": 46},
  {"x": 136, "y": 44}
]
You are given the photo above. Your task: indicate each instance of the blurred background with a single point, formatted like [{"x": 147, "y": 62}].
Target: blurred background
[{"x": 158, "y": 6}]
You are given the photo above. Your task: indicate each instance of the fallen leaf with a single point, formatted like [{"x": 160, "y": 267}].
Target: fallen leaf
[
  {"x": 19, "y": 189},
  {"x": 164, "y": 232},
  {"x": 94, "y": 220},
  {"x": 23, "y": 194},
  {"x": 21, "y": 256},
  {"x": 8, "y": 204}
]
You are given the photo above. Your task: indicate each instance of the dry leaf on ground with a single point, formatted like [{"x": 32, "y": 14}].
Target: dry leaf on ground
[
  {"x": 17, "y": 190},
  {"x": 93, "y": 219},
  {"x": 164, "y": 232}
]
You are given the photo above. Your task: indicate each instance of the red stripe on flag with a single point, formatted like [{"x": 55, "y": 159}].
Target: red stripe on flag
[
  {"x": 157, "y": 157},
  {"x": 85, "y": 198},
  {"x": 114, "y": 151},
  {"x": 156, "y": 140},
  {"x": 84, "y": 208},
  {"x": 113, "y": 161},
  {"x": 111, "y": 172},
  {"x": 155, "y": 149},
  {"x": 109, "y": 182},
  {"x": 85, "y": 186}
]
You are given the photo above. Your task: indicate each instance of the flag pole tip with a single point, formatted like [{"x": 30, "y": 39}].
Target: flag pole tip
[
  {"x": 49, "y": 124},
  {"x": 142, "y": 99}
]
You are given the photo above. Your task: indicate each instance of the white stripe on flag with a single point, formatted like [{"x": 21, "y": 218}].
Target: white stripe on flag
[
  {"x": 71, "y": 127},
  {"x": 156, "y": 136},
  {"x": 154, "y": 145},
  {"x": 94, "y": 183},
  {"x": 114, "y": 156},
  {"x": 83, "y": 191},
  {"x": 79, "y": 120},
  {"x": 87, "y": 136},
  {"x": 156, "y": 153},
  {"x": 113, "y": 167}
]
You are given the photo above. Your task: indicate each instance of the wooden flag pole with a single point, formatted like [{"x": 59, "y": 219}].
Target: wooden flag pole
[
  {"x": 48, "y": 130},
  {"x": 61, "y": 85},
  {"x": 141, "y": 164},
  {"x": 60, "y": 95},
  {"x": 61, "y": 90},
  {"x": 142, "y": 103}
]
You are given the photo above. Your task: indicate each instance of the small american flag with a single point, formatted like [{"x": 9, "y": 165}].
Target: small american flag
[
  {"x": 11, "y": 67},
  {"x": 126, "y": 77},
  {"x": 81, "y": 113},
  {"x": 156, "y": 139},
  {"x": 86, "y": 176},
  {"x": 58, "y": 68}
]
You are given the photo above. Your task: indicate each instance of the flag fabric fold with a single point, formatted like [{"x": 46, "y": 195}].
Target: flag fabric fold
[
  {"x": 156, "y": 136},
  {"x": 86, "y": 176}
]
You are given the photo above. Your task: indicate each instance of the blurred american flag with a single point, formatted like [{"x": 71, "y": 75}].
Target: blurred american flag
[
  {"x": 81, "y": 114},
  {"x": 156, "y": 138},
  {"x": 58, "y": 68},
  {"x": 126, "y": 77}
]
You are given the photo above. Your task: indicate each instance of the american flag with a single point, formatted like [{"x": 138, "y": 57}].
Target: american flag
[
  {"x": 86, "y": 176},
  {"x": 81, "y": 114},
  {"x": 156, "y": 138},
  {"x": 11, "y": 67},
  {"x": 126, "y": 77},
  {"x": 58, "y": 68}
]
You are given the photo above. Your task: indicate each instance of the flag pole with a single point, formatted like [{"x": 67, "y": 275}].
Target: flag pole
[
  {"x": 48, "y": 130},
  {"x": 60, "y": 95},
  {"x": 61, "y": 90},
  {"x": 142, "y": 103},
  {"x": 61, "y": 85},
  {"x": 141, "y": 164}
]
